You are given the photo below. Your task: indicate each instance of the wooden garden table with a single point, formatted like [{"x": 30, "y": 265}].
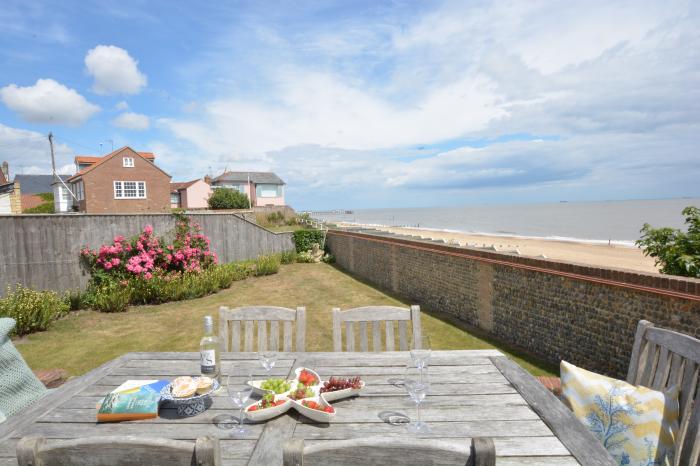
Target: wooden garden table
[{"x": 473, "y": 393}]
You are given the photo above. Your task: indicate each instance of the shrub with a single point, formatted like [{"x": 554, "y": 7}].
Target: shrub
[
  {"x": 267, "y": 265},
  {"x": 677, "y": 252},
  {"x": 288, "y": 257},
  {"x": 33, "y": 310},
  {"x": 75, "y": 299},
  {"x": 328, "y": 258},
  {"x": 305, "y": 257},
  {"x": 226, "y": 198},
  {"x": 304, "y": 239},
  {"x": 44, "y": 208},
  {"x": 109, "y": 297}
]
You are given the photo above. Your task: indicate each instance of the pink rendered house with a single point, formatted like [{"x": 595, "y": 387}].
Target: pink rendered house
[
  {"x": 262, "y": 188},
  {"x": 190, "y": 194}
]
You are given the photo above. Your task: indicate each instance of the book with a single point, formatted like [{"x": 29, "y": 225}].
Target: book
[{"x": 132, "y": 400}]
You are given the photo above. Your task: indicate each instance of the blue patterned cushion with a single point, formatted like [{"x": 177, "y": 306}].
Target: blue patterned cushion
[{"x": 19, "y": 387}]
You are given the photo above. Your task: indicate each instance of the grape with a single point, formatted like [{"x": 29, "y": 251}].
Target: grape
[
  {"x": 335, "y": 384},
  {"x": 275, "y": 385}
]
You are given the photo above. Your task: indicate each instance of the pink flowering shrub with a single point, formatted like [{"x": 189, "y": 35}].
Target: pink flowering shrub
[{"x": 146, "y": 255}]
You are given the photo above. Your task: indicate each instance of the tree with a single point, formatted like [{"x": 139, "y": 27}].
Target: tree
[
  {"x": 677, "y": 252},
  {"x": 226, "y": 198}
]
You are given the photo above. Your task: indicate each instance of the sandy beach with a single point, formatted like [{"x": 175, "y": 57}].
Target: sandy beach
[{"x": 615, "y": 256}]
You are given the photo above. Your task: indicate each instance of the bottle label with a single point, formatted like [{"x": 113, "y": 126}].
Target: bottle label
[{"x": 208, "y": 361}]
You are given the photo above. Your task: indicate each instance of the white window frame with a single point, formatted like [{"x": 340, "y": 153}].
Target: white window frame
[
  {"x": 139, "y": 190},
  {"x": 79, "y": 190},
  {"x": 259, "y": 190},
  {"x": 128, "y": 162}
]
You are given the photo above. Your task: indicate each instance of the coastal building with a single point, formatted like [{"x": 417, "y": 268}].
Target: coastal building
[
  {"x": 32, "y": 186},
  {"x": 123, "y": 181},
  {"x": 190, "y": 194},
  {"x": 262, "y": 188}
]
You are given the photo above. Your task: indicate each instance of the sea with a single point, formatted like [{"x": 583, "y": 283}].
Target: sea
[{"x": 616, "y": 222}]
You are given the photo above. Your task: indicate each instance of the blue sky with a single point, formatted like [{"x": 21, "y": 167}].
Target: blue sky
[{"x": 367, "y": 104}]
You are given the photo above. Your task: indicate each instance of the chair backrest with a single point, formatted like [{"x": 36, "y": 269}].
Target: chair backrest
[
  {"x": 390, "y": 451},
  {"x": 19, "y": 387},
  {"x": 376, "y": 315},
  {"x": 122, "y": 451},
  {"x": 230, "y": 327},
  {"x": 662, "y": 359}
]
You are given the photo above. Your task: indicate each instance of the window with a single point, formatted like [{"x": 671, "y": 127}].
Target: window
[
  {"x": 79, "y": 190},
  {"x": 65, "y": 195},
  {"x": 268, "y": 190},
  {"x": 175, "y": 199},
  {"x": 130, "y": 190},
  {"x": 128, "y": 161}
]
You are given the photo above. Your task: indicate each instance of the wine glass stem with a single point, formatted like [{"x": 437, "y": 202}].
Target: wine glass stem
[
  {"x": 418, "y": 411},
  {"x": 240, "y": 418}
]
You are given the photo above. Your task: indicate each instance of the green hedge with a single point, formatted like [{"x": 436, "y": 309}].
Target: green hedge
[{"x": 304, "y": 239}]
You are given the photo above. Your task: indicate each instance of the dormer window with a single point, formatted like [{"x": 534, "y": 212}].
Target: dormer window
[{"x": 128, "y": 162}]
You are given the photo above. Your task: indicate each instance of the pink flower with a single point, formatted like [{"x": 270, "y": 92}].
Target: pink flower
[
  {"x": 148, "y": 230},
  {"x": 115, "y": 261},
  {"x": 118, "y": 239},
  {"x": 148, "y": 275},
  {"x": 108, "y": 265}
]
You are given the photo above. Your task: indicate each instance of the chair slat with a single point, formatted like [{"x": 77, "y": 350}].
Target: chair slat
[
  {"x": 287, "y": 336},
  {"x": 249, "y": 335},
  {"x": 376, "y": 336},
  {"x": 337, "y": 331},
  {"x": 274, "y": 336},
  {"x": 403, "y": 338},
  {"x": 389, "y": 335},
  {"x": 663, "y": 367},
  {"x": 235, "y": 335},
  {"x": 416, "y": 324},
  {"x": 689, "y": 386},
  {"x": 363, "y": 337},
  {"x": 223, "y": 331},
  {"x": 676, "y": 374},
  {"x": 301, "y": 329},
  {"x": 690, "y": 447},
  {"x": 652, "y": 358},
  {"x": 638, "y": 357},
  {"x": 262, "y": 335},
  {"x": 350, "y": 336}
]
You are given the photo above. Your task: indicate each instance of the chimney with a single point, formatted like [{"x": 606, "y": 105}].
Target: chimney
[{"x": 6, "y": 170}]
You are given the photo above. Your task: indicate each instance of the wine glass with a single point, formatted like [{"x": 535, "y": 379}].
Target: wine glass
[
  {"x": 417, "y": 387},
  {"x": 268, "y": 359},
  {"x": 420, "y": 352},
  {"x": 239, "y": 391}
]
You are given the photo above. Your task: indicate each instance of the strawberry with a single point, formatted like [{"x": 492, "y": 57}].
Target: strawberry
[
  {"x": 328, "y": 409},
  {"x": 253, "y": 408}
]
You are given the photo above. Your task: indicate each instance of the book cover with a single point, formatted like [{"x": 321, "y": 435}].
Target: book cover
[{"x": 133, "y": 400}]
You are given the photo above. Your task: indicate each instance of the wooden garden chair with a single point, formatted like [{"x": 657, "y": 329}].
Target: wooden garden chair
[
  {"x": 376, "y": 315},
  {"x": 378, "y": 451},
  {"x": 118, "y": 451},
  {"x": 663, "y": 358},
  {"x": 230, "y": 327}
]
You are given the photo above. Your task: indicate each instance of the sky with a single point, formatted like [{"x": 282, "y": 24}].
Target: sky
[{"x": 366, "y": 104}]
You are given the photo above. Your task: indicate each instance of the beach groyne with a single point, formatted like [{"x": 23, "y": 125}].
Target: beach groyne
[
  {"x": 554, "y": 310},
  {"x": 42, "y": 251}
]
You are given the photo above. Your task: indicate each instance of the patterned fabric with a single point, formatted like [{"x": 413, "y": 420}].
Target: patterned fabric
[
  {"x": 637, "y": 425},
  {"x": 19, "y": 387}
]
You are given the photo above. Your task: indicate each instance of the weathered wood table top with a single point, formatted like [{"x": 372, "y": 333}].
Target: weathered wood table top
[{"x": 473, "y": 393}]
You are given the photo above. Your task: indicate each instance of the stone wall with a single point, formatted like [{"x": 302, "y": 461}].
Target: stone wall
[
  {"x": 42, "y": 251},
  {"x": 553, "y": 310}
]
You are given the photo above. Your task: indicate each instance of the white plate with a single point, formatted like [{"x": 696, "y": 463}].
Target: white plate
[
  {"x": 315, "y": 414},
  {"x": 345, "y": 393},
  {"x": 258, "y": 390},
  {"x": 268, "y": 413}
]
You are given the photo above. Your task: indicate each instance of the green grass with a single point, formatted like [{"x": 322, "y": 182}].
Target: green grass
[
  {"x": 85, "y": 339},
  {"x": 284, "y": 228}
]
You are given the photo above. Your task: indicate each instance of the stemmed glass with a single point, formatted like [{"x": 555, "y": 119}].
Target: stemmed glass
[
  {"x": 239, "y": 391},
  {"x": 268, "y": 359},
  {"x": 417, "y": 387},
  {"x": 420, "y": 352}
]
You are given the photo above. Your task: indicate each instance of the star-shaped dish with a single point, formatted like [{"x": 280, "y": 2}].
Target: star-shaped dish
[{"x": 321, "y": 400}]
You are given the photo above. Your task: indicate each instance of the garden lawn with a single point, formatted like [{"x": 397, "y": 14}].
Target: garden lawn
[{"x": 85, "y": 339}]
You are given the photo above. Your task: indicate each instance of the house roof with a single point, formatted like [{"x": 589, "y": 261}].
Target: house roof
[
  {"x": 175, "y": 187},
  {"x": 94, "y": 159},
  {"x": 255, "y": 177},
  {"x": 109, "y": 156},
  {"x": 35, "y": 184}
]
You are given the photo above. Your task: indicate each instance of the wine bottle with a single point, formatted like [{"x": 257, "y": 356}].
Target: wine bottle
[{"x": 210, "y": 351}]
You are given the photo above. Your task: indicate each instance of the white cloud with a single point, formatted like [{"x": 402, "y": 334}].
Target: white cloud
[
  {"x": 27, "y": 152},
  {"x": 114, "y": 70},
  {"x": 48, "y": 101},
  {"x": 122, "y": 105},
  {"x": 133, "y": 121}
]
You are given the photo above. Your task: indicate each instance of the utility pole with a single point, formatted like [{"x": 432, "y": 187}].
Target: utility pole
[{"x": 53, "y": 169}]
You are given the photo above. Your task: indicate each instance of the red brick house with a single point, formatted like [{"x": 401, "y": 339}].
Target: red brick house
[{"x": 124, "y": 181}]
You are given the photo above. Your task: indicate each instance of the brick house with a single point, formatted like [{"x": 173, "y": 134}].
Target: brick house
[
  {"x": 124, "y": 181},
  {"x": 9, "y": 192}
]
